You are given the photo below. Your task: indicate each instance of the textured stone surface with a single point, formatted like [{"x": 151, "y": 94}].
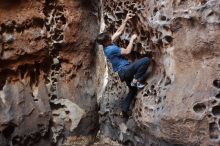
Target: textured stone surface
[
  {"x": 51, "y": 77},
  {"x": 22, "y": 33},
  {"x": 46, "y": 68},
  {"x": 21, "y": 102},
  {"x": 180, "y": 103}
]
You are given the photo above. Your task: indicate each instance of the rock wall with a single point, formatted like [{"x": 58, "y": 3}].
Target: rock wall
[
  {"x": 180, "y": 103},
  {"x": 46, "y": 71},
  {"x": 52, "y": 77}
]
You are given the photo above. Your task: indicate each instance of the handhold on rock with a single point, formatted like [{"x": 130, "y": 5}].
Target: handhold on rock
[
  {"x": 216, "y": 83},
  {"x": 9, "y": 38},
  {"x": 55, "y": 61}
]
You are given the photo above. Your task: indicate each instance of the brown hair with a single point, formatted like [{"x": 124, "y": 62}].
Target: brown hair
[{"x": 103, "y": 38}]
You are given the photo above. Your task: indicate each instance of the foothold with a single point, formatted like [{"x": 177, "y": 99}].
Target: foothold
[
  {"x": 158, "y": 100},
  {"x": 213, "y": 131},
  {"x": 145, "y": 94},
  {"x": 214, "y": 102},
  {"x": 169, "y": 39},
  {"x": 216, "y": 83},
  {"x": 155, "y": 11},
  {"x": 53, "y": 97},
  {"x": 9, "y": 26},
  {"x": 154, "y": 92},
  {"x": 199, "y": 107},
  {"x": 163, "y": 18},
  {"x": 128, "y": 142},
  {"x": 54, "y": 79},
  {"x": 67, "y": 112},
  {"x": 209, "y": 116},
  {"x": 52, "y": 89},
  {"x": 56, "y": 61},
  {"x": 203, "y": 2},
  {"x": 152, "y": 86},
  {"x": 9, "y": 38},
  {"x": 16, "y": 140},
  {"x": 216, "y": 110},
  {"x": 218, "y": 95},
  {"x": 164, "y": 97},
  {"x": 168, "y": 81},
  {"x": 35, "y": 99}
]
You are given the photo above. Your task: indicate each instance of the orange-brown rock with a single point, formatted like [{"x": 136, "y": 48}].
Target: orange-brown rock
[
  {"x": 56, "y": 88},
  {"x": 46, "y": 69}
]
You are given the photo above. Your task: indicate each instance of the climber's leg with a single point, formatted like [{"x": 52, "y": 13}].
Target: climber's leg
[
  {"x": 127, "y": 75},
  {"x": 130, "y": 96},
  {"x": 143, "y": 64},
  {"x": 137, "y": 69}
]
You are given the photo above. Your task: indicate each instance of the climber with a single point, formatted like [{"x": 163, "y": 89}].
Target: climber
[{"x": 133, "y": 74}]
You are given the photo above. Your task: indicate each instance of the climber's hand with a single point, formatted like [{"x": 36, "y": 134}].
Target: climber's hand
[
  {"x": 130, "y": 46},
  {"x": 122, "y": 27},
  {"x": 129, "y": 16},
  {"x": 134, "y": 36}
]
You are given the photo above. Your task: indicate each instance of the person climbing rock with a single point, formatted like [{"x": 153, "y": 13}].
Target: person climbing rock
[{"x": 132, "y": 73}]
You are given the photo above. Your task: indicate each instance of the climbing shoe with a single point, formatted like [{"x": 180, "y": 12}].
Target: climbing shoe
[
  {"x": 134, "y": 83},
  {"x": 125, "y": 115},
  {"x": 140, "y": 85}
]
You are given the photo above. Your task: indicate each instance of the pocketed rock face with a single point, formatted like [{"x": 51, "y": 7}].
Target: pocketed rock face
[
  {"x": 46, "y": 67},
  {"x": 180, "y": 103},
  {"x": 47, "y": 70}
]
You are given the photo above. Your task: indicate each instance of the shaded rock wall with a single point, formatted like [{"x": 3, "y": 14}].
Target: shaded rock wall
[
  {"x": 179, "y": 104},
  {"x": 46, "y": 68}
]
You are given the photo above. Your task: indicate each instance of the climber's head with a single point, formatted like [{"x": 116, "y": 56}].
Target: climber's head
[{"x": 104, "y": 39}]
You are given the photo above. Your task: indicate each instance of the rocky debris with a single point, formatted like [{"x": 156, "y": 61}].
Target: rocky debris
[{"x": 179, "y": 104}]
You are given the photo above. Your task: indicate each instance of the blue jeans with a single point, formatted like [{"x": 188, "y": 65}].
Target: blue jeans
[{"x": 135, "y": 70}]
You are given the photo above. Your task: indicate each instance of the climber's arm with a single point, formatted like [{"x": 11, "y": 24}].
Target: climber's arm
[
  {"x": 122, "y": 27},
  {"x": 129, "y": 47}
]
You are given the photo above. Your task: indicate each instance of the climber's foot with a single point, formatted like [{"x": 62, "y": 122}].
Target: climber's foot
[
  {"x": 124, "y": 114},
  {"x": 134, "y": 83},
  {"x": 137, "y": 84},
  {"x": 140, "y": 85}
]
